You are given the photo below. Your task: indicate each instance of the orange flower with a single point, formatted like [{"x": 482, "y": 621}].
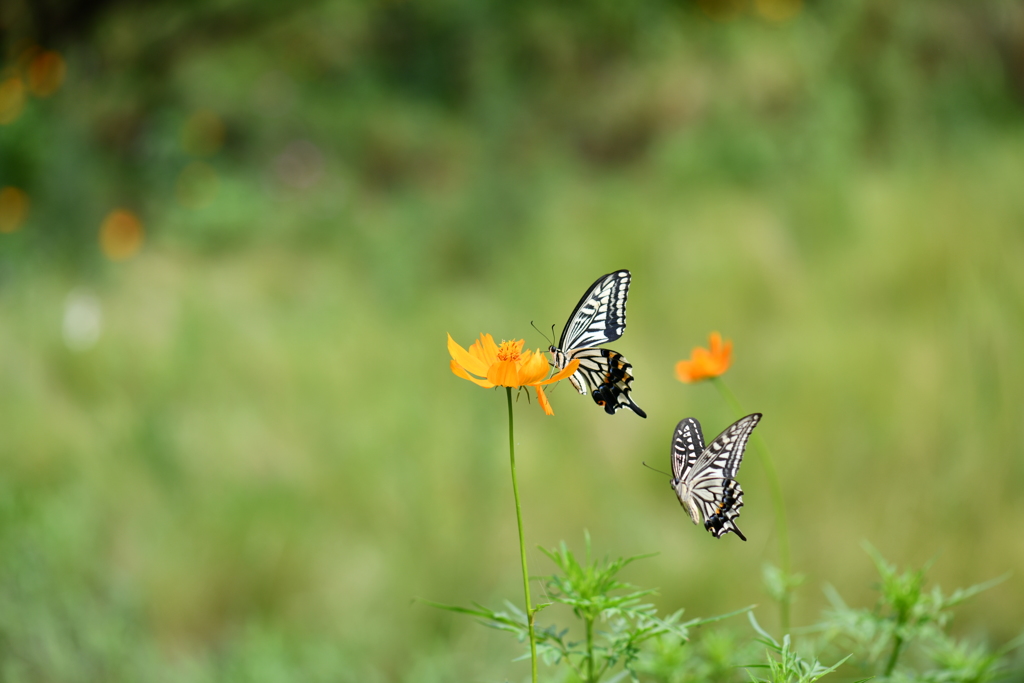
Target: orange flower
[
  {"x": 505, "y": 366},
  {"x": 704, "y": 364}
]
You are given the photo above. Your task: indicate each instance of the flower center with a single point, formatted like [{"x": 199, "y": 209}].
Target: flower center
[{"x": 508, "y": 351}]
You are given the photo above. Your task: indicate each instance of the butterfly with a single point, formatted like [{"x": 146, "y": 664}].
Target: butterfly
[
  {"x": 599, "y": 318},
  {"x": 703, "y": 477}
]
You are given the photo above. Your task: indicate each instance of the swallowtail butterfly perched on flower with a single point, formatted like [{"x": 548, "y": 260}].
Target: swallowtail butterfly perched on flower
[
  {"x": 703, "y": 478},
  {"x": 599, "y": 318}
]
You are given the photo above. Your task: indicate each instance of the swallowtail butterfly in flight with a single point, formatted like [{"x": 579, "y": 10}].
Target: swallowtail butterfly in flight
[
  {"x": 599, "y": 318},
  {"x": 703, "y": 478}
]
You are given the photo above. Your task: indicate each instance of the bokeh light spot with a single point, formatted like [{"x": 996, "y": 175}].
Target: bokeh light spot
[
  {"x": 83, "y": 320},
  {"x": 46, "y": 73},
  {"x": 197, "y": 185},
  {"x": 202, "y": 134},
  {"x": 120, "y": 235},
  {"x": 12, "y": 99},
  {"x": 13, "y": 209},
  {"x": 778, "y": 11},
  {"x": 722, "y": 10}
]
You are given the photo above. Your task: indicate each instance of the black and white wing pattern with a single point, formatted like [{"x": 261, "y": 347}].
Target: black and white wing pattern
[
  {"x": 704, "y": 478},
  {"x": 599, "y": 318}
]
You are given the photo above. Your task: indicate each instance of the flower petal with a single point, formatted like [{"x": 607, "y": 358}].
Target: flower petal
[
  {"x": 533, "y": 368},
  {"x": 726, "y": 355},
  {"x": 489, "y": 348},
  {"x": 715, "y": 342},
  {"x": 562, "y": 374},
  {"x": 684, "y": 371},
  {"x": 542, "y": 399},
  {"x": 467, "y": 360},
  {"x": 704, "y": 363},
  {"x": 504, "y": 373},
  {"x": 457, "y": 369}
]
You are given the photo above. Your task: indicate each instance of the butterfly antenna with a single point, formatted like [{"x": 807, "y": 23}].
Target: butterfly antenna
[
  {"x": 656, "y": 470},
  {"x": 549, "y": 341}
]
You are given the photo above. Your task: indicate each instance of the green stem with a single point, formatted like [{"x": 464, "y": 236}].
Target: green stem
[
  {"x": 590, "y": 651},
  {"x": 777, "y": 501},
  {"x": 522, "y": 543},
  {"x": 897, "y": 645}
]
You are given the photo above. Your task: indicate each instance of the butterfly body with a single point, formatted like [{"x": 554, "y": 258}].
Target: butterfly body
[
  {"x": 599, "y": 318},
  {"x": 704, "y": 477}
]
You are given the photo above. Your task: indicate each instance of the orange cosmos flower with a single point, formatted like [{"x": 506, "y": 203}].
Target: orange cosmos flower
[
  {"x": 507, "y": 365},
  {"x": 705, "y": 364}
]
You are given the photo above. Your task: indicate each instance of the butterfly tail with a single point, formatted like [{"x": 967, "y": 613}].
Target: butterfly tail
[
  {"x": 633, "y": 406},
  {"x": 719, "y": 526}
]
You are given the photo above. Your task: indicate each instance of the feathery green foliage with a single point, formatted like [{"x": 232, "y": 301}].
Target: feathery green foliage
[
  {"x": 615, "y": 620},
  {"x": 785, "y": 665},
  {"x": 907, "y": 615}
]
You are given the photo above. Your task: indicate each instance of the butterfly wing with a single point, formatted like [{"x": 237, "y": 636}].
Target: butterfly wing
[
  {"x": 687, "y": 445},
  {"x": 706, "y": 483},
  {"x": 608, "y": 376},
  {"x": 600, "y": 315},
  {"x": 719, "y": 501},
  {"x": 599, "y": 318},
  {"x": 724, "y": 454}
]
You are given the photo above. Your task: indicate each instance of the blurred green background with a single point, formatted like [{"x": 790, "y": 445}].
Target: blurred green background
[{"x": 235, "y": 233}]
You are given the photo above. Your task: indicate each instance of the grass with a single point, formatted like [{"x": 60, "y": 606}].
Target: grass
[
  {"x": 272, "y": 437},
  {"x": 265, "y": 458}
]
